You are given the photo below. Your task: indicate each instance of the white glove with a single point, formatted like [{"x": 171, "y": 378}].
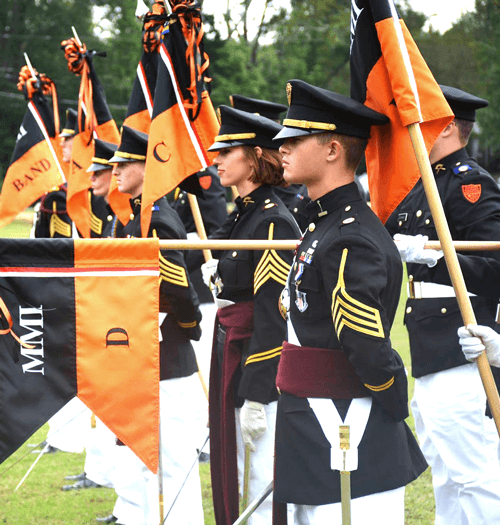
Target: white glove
[
  {"x": 411, "y": 248},
  {"x": 208, "y": 270},
  {"x": 475, "y": 339},
  {"x": 253, "y": 422}
]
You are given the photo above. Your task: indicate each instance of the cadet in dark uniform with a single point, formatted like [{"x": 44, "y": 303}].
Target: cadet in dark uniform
[
  {"x": 459, "y": 442},
  {"x": 338, "y": 366},
  {"x": 102, "y": 218},
  {"x": 51, "y": 218},
  {"x": 293, "y": 196},
  {"x": 250, "y": 330},
  {"x": 181, "y": 319}
]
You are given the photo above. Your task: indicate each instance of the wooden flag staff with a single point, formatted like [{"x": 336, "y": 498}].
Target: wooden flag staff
[
  {"x": 291, "y": 244},
  {"x": 451, "y": 259}
]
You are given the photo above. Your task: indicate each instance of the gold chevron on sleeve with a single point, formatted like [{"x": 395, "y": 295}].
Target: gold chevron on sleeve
[
  {"x": 57, "y": 225},
  {"x": 381, "y": 388},
  {"x": 172, "y": 273},
  {"x": 95, "y": 223},
  {"x": 347, "y": 311},
  {"x": 271, "y": 266},
  {"x": 264, "y": 356}
]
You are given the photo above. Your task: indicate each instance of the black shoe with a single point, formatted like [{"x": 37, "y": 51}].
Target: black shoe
[
  {"x": 76, "y": 477},
  {"x": 50, "y": 449},
  {"x": 83, "y": 484},
  {"x": 204, "y": 458},
  {"x": 108, "y": 519}
]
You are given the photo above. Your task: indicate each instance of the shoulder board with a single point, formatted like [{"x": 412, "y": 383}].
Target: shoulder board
[{"x": 462, "y": 168}]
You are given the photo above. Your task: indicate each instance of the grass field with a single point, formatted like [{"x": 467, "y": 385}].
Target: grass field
[{"x": 40, "y": 500}]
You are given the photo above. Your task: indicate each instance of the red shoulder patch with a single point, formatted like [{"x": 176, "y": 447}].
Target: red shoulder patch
[
  {"x": 205, "y": 181},
  {"x": 472, "y": 192}
]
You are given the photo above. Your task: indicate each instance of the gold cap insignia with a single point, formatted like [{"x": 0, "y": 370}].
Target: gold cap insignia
[
  {"x": 289, "y": 93},
  {"x": 231, "y": 100},
  {"x": 219, "y": 117}
]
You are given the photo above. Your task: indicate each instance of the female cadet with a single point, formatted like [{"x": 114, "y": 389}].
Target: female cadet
[{"x": 249, "y": 328}]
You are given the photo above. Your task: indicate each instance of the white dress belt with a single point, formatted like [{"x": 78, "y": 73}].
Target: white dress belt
[{"x": 423, "y": 290}]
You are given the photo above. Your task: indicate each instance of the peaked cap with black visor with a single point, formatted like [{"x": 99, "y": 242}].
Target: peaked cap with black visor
[
  {"x": 316, "y": 110},
  {"x": 264, "y": 108},
  {"x": 463, "y": 104},
  {"x": 240, "y": 128},
  {"x": 133, "y": 146},
  {"x": 71, "y": 126},
  {"x": 103, "y": 151}
]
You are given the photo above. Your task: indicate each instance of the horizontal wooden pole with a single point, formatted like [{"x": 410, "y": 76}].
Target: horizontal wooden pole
[{"x": 291, "y": 244}]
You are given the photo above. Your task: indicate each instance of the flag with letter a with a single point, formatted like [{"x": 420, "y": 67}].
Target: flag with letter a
[
  {"x": 94, "y": 121},
  {"x": 36, "y": 163},
  {"x": 79, "y": 317},
  {"x": 389, "y": 75},
  {"x": 184, "y": 122}
]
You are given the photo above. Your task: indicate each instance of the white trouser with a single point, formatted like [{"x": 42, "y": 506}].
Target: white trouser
[
  {"x": 69, "y": 426},
  {"x": 460, "y": 444},
  {"x": 99, "y": 447},
  {"x": 180, "y": 437},
  {"x": 129, "y": 486},
  {"x": 383, "y": 508},
  {"x": 261, "y": 465}
]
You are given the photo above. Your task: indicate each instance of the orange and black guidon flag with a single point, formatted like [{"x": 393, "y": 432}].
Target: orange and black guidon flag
[
  {"x": 389, "y": 75},
  {"x": 35, "y": 166},
  {"x": 79, "y": 327}
]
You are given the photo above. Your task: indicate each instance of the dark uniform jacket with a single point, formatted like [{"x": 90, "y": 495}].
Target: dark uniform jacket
[
  {"x": 258, "y": 276},
  {"x": 344, "y": 289},
  {"x": 471, "y": 202},
  {"x": 53, "y": 220},
  {"x": 177, "y": 296},
  {"x": 213, "y": 211},
  {"x": 101, "y": 216}
]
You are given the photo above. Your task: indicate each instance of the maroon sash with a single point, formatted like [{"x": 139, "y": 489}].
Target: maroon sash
[
  {"x": 318, "y": 372},
  {"x": 237, "y": 321}
]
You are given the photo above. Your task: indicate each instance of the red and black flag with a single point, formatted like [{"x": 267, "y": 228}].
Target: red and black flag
[
  {"x": 94, "y": 121},
  {"x": 85, "y": 317},
  {"x": 389, "y": 75},
  {"x": 184, "y": 122},
  {"x": 36, "y": 164}
]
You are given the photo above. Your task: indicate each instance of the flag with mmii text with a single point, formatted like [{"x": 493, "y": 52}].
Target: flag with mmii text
[
  {"x": 79, "y": 317},
  {"x": 389, "y": 75},
  {"x": 184, "y": 123},
  {"x": 36, "y": 164}
]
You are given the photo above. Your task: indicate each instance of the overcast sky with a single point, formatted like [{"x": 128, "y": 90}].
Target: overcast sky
[{"x": 442, "y": 12}]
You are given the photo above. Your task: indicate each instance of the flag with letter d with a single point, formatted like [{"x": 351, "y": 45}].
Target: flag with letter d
[
  {"x": 389, "y": 75},
  {"x": 84, "y": 322}
]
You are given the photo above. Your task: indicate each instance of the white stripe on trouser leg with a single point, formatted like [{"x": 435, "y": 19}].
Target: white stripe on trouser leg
[{"x": 460, "y": 444}]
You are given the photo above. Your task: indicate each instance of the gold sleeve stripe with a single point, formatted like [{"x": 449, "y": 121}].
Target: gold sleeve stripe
[
  {"x": 347, "y": 311},
  {"x": 187, "y": 325},
  {"x": 95, "y": 222},
  {"x": 264, "y": 356},
  {"x": 381, "y": 388},
  {"x": 57, "y": 225},
  {"x": 271, "y": 266},
  {"x": 172, "y": 273}
]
